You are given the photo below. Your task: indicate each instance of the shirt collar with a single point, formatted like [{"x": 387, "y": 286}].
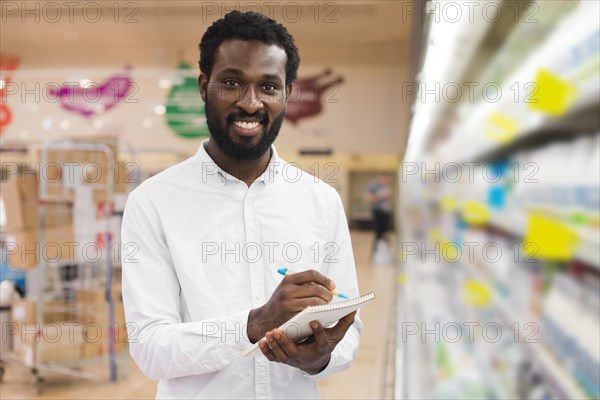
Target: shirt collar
[{"x": 212, "y": 170}]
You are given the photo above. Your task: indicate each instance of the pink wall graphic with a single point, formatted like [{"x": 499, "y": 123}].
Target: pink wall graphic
[{"x": 95, "y": 98}]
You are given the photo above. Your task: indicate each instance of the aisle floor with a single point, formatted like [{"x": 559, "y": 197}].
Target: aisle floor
[{"x": 364, "y": 380}]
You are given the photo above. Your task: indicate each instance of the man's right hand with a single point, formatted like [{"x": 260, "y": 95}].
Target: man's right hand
[{"x": 294, "y": 294}]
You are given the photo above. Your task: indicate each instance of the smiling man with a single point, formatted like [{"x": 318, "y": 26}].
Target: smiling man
[{"x": 202, "y": 240}]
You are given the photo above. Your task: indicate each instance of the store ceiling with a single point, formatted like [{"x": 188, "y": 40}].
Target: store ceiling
[{"x": 159, "y": 33}]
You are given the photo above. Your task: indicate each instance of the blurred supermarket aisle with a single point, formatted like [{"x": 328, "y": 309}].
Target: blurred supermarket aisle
[{"x": 501, "y": 237}]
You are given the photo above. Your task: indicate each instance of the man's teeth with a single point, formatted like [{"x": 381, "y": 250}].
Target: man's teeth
[{"x": 247, "y": 125}]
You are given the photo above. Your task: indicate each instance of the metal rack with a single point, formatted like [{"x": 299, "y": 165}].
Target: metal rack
[{"x": 66, "y": 293}]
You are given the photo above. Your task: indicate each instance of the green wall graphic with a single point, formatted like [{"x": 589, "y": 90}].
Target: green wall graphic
[{"x": 184, "y": 109}]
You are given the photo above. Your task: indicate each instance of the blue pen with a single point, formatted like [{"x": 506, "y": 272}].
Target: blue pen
[{"x": 287, "y": 271}]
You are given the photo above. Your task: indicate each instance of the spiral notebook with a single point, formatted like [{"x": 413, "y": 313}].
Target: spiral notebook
[{"x": 297, "y": 328}]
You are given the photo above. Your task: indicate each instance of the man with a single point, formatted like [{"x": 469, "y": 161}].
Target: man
[
  {"x": 202, "y": 240},
  {"x": 379, "y": 196}
]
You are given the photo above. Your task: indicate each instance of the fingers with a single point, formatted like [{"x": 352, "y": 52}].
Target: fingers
[
  {"x": 329, "y": 338},
  {"x": 311, "y": 276},
  {"x": 345, "y": 323},
  {"x": 321, "y": 337},
  {"x": 266, "y": 350},
  {"x": 278, "y": 347},
  {"x": 275, "y": 337},
  {"x": 312, "y": 286},
  {"x": 320, "y": 294}
]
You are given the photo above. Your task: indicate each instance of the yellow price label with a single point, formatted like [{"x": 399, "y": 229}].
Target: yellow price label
[
  {"x": 501, "y": 128},
  {"x": 476, "y": 213},
  {"x": 449, "y": 203},
  {"x": 549, "y": 239},
  {"x": 476, "y": 293},
  {"x": 401, "y": 279},
  {"x": 551, "y": 94}
]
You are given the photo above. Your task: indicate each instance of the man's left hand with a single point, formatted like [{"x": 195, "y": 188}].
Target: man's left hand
[{"x": 311, "y": 356}]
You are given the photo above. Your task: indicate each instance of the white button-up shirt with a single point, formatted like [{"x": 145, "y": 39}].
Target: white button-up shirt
[{"x": 200, "y": 249}]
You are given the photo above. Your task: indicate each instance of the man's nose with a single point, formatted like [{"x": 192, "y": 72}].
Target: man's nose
[{"x": 250, "y": 101}]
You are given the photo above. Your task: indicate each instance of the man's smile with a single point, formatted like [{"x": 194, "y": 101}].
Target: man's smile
[{"x": 243, "y": 128}]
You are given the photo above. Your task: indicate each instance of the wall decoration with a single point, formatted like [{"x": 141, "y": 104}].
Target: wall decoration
[
  {"x": 94, "y": 99},
  {"x": 184, "y": 109},
  {"x": 309, "y": 94}
]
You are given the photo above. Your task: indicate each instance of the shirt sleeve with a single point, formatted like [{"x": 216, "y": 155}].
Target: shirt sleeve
[
  {"x": 161, "y": 344},
  {"x": 339, "y": 265}
]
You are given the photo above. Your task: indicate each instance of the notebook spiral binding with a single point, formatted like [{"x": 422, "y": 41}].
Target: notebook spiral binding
[{"x": 341, "y": 304}]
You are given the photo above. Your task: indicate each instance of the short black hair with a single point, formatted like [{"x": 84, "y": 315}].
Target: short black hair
[{"x": 248, "y": 26}]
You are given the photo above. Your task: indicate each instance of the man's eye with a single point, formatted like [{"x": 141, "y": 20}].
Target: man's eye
[
  {"x": 269, "y": 88},
  {"x": 231, "y": 83}
]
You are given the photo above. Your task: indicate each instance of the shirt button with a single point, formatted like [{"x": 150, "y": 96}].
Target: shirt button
[
  {"x": 262, "y": 391},
  {"x": 256, "y": 296}
]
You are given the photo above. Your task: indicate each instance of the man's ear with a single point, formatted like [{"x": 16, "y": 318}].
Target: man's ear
[
  {"x": 288, "y": 91},
  {"x": 203, "y": 86}
]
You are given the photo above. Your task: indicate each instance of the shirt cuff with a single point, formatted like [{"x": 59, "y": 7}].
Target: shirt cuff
[
  {"x": 241, "y": 320},
  {"x": 329, "y": 369},
  {"x": 231, "y": 331}
]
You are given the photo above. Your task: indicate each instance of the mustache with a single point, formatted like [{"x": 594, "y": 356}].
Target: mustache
[{"x": 257, "y": 116}]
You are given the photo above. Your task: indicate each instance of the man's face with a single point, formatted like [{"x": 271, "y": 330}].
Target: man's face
[{"x": 245, "y": 97}]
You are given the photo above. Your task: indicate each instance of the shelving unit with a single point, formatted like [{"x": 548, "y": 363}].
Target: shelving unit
[
  {"x": 550, "y": 95},
  {"x": 515, "y": 223},
  {"x": 71, "y": 304},
  {"x": 551, "y": 369},
  {"x": 566, "y": 61}
]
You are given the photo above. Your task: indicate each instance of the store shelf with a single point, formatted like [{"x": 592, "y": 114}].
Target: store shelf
[
  {"x": 491, "y": 376},
  {"x": 516, "y": 118},
  {"x": 515, "y": 223},
  {"x": 560, "y": 379}
]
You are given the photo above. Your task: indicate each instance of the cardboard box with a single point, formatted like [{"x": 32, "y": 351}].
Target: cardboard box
[
  {"x": 97, "y": 296},
  {"x": 72, "y": 166},
  {"x": 12, "y": 204},
  {"x": 91, "y": 349},
  {"x": 25, "y": 312},
  {"x": 60, "y": 311},
  {"x": 56, "y": 342},
  {"x": 98, "y": 313},
  {"x": 89, "y": 330},
  {"x": 55, "y": 213},
  {"x": 24, "y": 250},
  {"x": 93, "y": 309},
  {"x": 123, "y": 177},
  {"x": 20, "y": 196},
  {"x": 101, "y": 347}
]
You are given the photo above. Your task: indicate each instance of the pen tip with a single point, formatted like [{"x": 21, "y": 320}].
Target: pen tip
[
  {"x": 343, "y": 296},
  {"x": 282, "y": 271}
]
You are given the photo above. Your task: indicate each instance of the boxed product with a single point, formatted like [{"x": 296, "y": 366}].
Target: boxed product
[
  {"x": 94, "y": 310},
  {"x": 20, "y": 196},
  {"x": 25, "y": 312},
  {"x": 24, "y": 250},
  {"x": 56, "y": 343}
]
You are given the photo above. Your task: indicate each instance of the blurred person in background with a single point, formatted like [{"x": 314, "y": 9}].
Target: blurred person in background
[{"x": 379, "y": 197}]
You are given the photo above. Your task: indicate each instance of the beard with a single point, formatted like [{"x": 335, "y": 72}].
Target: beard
[{"x": 241, "y": 151}]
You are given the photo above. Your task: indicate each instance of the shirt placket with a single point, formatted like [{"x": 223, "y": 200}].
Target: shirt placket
[{"x": 257, "y": 285}]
